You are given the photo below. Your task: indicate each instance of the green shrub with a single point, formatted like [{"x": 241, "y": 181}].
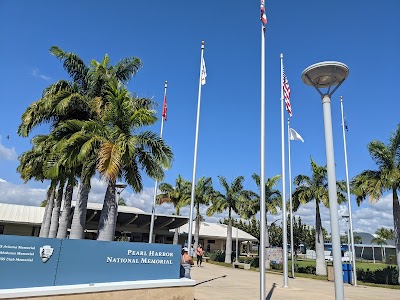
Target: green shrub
[
  {"x": 253, "y": 261},
  {"x": 310, "y": 269},
  {"x": 307, "y": 269},
  {"x": 388, "y": 275},
  {"x": 218, "y": 256},
  {"x": 276, "y": 266}
]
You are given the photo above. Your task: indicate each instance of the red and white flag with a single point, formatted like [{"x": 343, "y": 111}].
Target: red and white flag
[
  {"x": 286, "y": 92},
  {"x": 164, "y": 109},
  {"x": 264, "y": 19}
]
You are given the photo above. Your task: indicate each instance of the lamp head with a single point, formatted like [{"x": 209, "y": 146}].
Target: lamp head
[{"x": 325, "y": 74}]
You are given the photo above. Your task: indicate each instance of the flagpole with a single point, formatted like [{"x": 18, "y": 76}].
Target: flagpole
[
  {"x": 195, "y": 152},
  {"x": 290, "y": 200},
  {"x": 262, "y": 169},
  {"x": 153, "y": 209},
  {"x": 353, "y": 252},
  {"x": 284, "y": 214}
]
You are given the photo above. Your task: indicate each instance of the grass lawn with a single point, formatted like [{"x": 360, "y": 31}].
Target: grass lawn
[
  {"x": 359, "y": 264},
  {"x": 304, "y": 263}
]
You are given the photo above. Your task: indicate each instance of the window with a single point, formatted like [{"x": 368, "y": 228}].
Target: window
[
  {"x": 211, "y": 241},
  {"x": 1, "y": 229}
]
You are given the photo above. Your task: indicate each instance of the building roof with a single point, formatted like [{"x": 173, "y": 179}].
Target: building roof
[
  {"x": 128, "y": 216},
  {"x": 368, "y": 237},
  {"x": 218, "y": 231},
  {"x": 121, "y": 208},
  {"x": 22, "y": 214}
]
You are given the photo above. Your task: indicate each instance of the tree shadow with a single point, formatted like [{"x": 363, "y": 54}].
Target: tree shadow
[{"x": 271, "y": 291}]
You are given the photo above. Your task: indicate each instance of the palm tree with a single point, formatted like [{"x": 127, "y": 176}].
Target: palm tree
[
  {"x": 379, "y": 241},
  {"x": 203, "y": 195},
  {"x": 56, "y": 168},
  {"x": 78, "y": 99},
  {"x": 79, "y": 149},
  {"x": 383, "y": 235},
  {"x": 357, "y": 239},
  {"x": 126, "y": 149},
  {"x": 316, "y": 188},
  {"x": 179, "y": 196},
  {"x": 373, "y": 183},
  {"x": 233, "y": 198},
  {"x": 31, "y": 167},
  {"x": 273, "y": 200},
  {"x": 94, "y": 82}
]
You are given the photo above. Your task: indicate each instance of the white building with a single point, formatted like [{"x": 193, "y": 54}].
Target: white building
[
  {"x": 213, "y": 236},
  {"x": 132, "y": 223}
]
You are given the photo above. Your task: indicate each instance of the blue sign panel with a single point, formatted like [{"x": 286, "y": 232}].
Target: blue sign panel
[
  {"x": 83, "y": 261},
  {"x": 27, "y": 261},
  {"x": 34, "y": 262}
]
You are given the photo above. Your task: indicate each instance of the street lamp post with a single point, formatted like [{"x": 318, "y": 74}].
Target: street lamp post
[
  {"x": 119, "y": 187},
  {"x": 327, "y": 75},
  {"x": 237, "y": 242},
  {"x": 346, "y": 219}
]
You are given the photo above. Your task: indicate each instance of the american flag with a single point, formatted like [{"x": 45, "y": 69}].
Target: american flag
[
  {"x": 286, "y": 92},
  {"x": 263, "y": 15},
  {"x": 164, "y": 109}
]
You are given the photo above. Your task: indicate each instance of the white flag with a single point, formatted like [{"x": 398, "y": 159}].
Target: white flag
[
  {"x": 293, "y": 135},
  {"x": 203, "y": 72}
]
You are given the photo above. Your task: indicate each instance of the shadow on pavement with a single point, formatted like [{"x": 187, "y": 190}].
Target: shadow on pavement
[
  {"x": 223, "y": 276},
  {"x": 269, "y": 296}
]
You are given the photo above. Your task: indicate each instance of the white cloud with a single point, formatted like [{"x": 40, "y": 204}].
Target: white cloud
[
  {"x": 143, "y": 200},
  {"x": 374, "y": 215},
  {"x": 7, "y": 153},
  {"x": 38, "y": 74},
  {"x": 21, "y": 194},
  {"x": 367, "y": 218}
]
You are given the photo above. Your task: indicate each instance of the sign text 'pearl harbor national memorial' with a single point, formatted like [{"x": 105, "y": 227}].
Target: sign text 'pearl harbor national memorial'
[
  {"x": 143, "y": 260},
  {"x": 37, "y": 262}
]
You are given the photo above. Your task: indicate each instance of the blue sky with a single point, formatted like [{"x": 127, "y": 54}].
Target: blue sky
[{"x": 167, "y": 36}]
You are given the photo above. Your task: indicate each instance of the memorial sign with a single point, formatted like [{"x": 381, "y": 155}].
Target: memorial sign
[{"x": 33, "y": 262}]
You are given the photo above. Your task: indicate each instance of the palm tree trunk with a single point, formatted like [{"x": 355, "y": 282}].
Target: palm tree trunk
[
  {"x": 320, "y": 265},
  {"x": 396, "y": 220},
  {"x": 108, "y": 217},
  {"x": 79, "y": 218},
  {"x": 64, "y": 220},
  {"x": 196, "y": 230},
  {"x": 228, "y": 246},
  {"x": 267, "y": 245},
  {"x": 45, "y": 228},
  {"x": 176, "y": 236},
  {"x": 373, "y": 254},
  {"x": 56, "y": 211},
  {"x": 196, "y": 234}
]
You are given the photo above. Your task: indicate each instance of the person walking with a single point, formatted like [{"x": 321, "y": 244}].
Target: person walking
[{"x": 199, "y": 254}]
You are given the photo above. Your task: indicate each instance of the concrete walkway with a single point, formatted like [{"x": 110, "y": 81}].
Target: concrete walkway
[{"x": 216, "y": 282}]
